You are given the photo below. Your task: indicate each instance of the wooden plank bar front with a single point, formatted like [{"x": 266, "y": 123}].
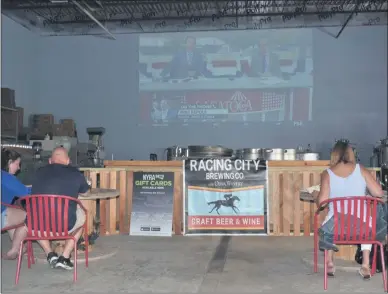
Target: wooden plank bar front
[
  {"x": 115, "y": 214},
  {"x": 287, "y": 215}
]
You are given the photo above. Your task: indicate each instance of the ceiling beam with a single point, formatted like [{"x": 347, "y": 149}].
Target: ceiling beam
[
  {"x": 80, "y": 7},
  {"x": 203, "y": 17}
]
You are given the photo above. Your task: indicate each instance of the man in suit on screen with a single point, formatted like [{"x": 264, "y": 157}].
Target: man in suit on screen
[
  {"x": 264, "y": 62},
  {"x": 187, "y": 62}
]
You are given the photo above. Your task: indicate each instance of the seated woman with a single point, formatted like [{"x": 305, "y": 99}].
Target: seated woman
[
  {"x": 345, "y": 178},
  {"x": 11, "y": 187}
]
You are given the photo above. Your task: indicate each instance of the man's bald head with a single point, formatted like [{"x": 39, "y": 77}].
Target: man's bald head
[{"x": 59, "y": 156}]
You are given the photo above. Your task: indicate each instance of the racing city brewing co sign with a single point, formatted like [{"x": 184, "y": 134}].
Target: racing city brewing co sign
[
  {"x": 224, "y": 196},
  {"x": 152, "y": 203}
]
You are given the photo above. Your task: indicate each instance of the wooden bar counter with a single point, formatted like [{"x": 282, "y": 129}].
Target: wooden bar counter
[
  {"x": 115, "y": 213},
  {"x": 287, "y": 214}
]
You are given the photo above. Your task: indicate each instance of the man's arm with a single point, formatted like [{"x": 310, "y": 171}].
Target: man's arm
[
  {"x": 275, "y": 65},
  {"x": 84, "y": 186},
  {"x": 201, "y": 67}
]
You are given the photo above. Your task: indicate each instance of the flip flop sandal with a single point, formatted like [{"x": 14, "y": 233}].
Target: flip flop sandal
[
  {"x": 5, "y": 256},
  {"x": 365, "y": 273}
]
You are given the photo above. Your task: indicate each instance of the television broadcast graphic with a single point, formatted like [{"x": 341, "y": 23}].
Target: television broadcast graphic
[{"x": 221, "y": 77}]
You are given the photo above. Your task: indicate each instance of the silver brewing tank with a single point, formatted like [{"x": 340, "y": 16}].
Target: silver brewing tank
[
  {"x": 384, "y": 152},
  {"x": 97, "y": 155}
]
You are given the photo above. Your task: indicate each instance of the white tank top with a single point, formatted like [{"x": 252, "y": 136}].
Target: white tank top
[{"x": 353, "y": 185}]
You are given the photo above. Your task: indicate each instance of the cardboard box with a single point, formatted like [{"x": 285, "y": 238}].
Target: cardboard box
[
  {"x": 20, "y": 112},
  {"x": 67, "y": 123},
  {"x": 8, "y": 98},
  {"x": 61, "y": 130},
  {"x": 41, "y": 121},
  {"x": 8, "y": 122},
  {"x": 68, "y": 127}
]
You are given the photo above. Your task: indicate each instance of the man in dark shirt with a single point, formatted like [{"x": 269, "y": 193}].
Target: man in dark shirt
[{"x": 59, "y": 178}]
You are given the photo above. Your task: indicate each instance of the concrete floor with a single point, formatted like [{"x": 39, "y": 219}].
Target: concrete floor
[{"x": 190, "y": 265}]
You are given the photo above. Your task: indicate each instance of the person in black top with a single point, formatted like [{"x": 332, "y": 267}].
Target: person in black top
[{"x": 59, "y": 178}]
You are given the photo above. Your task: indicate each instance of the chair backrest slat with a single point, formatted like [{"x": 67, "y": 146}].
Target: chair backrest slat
[
  {"x": 356, "y": 208},
  {"x": 53, "y": 213},
  {"x": 355, "y": 218},
  {"x": 41, "y": 214},
  {"x": 66, "y": 216},
  {"x": 59, "y": 216},
  {"x": 34, "y": 215},
  {"x": 46, "y": 209}
]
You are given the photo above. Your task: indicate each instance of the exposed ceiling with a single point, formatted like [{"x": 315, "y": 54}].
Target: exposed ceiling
[{"x": 77, "y": 17}]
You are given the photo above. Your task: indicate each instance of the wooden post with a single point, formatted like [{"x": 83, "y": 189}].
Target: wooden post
[
  {"x": 103, "y": 218},
  {"x": 178, "y": 203},
  {"x": 112, "y": 203},
  {"x": 129, "y": 197},
  {"x": 295, "y": 190},
  {"x": 275, "y": 190},
  {"x": 123, "y": 214},
  {"x": 306, "y": 206},
  {"x": 287, "y": 203}
]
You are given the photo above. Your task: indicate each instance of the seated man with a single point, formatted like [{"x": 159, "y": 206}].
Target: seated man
[{"x": 59, "y": 178}]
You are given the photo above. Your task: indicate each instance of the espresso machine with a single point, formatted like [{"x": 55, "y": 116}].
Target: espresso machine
[{"x": 96, "y": 153}]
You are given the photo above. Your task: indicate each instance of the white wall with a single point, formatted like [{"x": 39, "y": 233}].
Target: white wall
[
  {"x": 94, "y": 80},
  {"x": 19, "y": 63}
]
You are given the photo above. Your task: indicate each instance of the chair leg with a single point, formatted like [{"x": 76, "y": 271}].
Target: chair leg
[
  {"x": 19, "y": 264},
  {"x": 315, "y": 250},
  {"x": 86, "y": 248},
  {"x": 32, "y": 253},
  {"x": 29, "y": 254},
  {"x": 374, "y": 261},
  {"x": 383, "y": 266},
  {"x": 75, "y": 260},
  {"x": 325, "y": 270}
]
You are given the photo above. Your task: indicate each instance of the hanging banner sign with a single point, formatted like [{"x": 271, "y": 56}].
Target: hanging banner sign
[
  {"x": 152, "y": 204},
  {"x": 224, "y": 196}
]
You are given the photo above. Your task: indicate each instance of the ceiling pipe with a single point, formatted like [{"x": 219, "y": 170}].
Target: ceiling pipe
[
  {"x": 344, "y": 25},
  {"x": 348, "y": 19},
  {"x": 94, "y": 19},
  {"x": 323, "y": 30}
]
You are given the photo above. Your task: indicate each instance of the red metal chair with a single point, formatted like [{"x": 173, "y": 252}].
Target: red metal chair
[
  {"x": 347, "y": 234},
  {"x": 45, "y": 212}
]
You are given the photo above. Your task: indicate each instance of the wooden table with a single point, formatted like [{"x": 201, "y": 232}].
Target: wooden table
[
  {"x": 346, "y": 252},
  {"x": 89, "y": 202}
]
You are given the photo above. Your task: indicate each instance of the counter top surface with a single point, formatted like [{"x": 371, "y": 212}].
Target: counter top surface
[
  {"x": 119, "y": 163},
  {"x": 178, "y": 163}
]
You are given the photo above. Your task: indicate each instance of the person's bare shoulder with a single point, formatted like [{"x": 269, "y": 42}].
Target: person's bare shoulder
[{"x": 325, "y": 175}]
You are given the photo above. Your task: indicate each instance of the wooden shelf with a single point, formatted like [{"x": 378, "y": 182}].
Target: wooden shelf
[
  {"x": 148, "y": 163},
  {"x": 296, "y": 163}
]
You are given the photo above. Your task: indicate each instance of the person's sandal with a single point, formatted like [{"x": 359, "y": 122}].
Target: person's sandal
[{"x": 365, "y": 273}]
